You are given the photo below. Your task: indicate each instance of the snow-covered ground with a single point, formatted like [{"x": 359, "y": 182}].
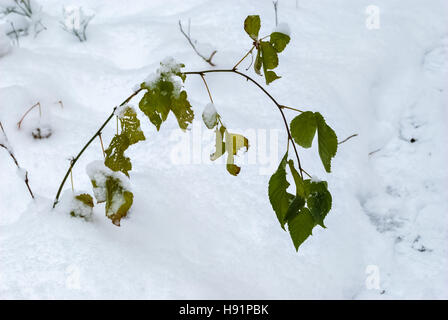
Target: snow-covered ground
[{"x": 195, "y": 231}]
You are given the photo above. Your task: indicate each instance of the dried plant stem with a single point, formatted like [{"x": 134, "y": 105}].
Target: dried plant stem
[
  {"x": 19, "y": 124},
  {"x": 11, "y": 154}
]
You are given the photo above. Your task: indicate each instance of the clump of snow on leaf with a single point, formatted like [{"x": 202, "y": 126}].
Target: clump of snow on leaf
[
  {"x": 283, "y": 28},
  {"x": 76, "y": 203},
  {"x": 166, "y": 72},
  {"x": 210, "y": 116},
  {"x": 121, "y": 110}
]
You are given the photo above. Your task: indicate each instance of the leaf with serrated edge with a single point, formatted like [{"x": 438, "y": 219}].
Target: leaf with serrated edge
[
  {"x": 115, "y": 158},
  {"x": 118, "y": 200},
  {"x": 85, "y": 198},
  {"x": 130, "y": 126},
  {"x": 300, "y": 187},
  {"x": 300, "y": 227},
  {"x": 296, "y": 204},
  {"x": 278, "y": 196},
  {"x": 181, "y": 108},
  {"x": 318, "y": 200},
  {"x": 303, "y": 129},
  {"x": 328, "y": 141}
]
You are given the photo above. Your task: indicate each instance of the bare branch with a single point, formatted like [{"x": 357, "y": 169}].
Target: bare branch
[{"x": 188, "y": 37}]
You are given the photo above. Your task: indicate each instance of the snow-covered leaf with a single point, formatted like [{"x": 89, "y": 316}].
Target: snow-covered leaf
[
  {"x": 118, "y": 200},
  {"x": 165, "y": 94},
  {"x": 130, "y": 125}
]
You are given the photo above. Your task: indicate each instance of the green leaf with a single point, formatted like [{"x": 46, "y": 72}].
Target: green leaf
[
  {"x": 270, "y": 61},
  {"x": 164, "y": 95},
  {"x": 279, "y": 41},
  {"x": 233, "y": 169},
  {"x": 118, "y": 200},
  {"x": 115, "y": 158},
  {"x": 269, "y": 55},
  {"x": 328, "y": 141},
  {"x": 270, "y": 76},
  {"x": 130, "y": 125},
  {"x": 278, "y": 196},
  {"x": 318, "y": 200},
  {"x": 295, "y": 206},
  {"x": 252, "y": 26},
  {"x": 300, "y": 187},
  {"x": 82, "y": 206},
  {"x": 181, "y": 108},
  {"x": 258, "y": 63},
  {"x": 303, "y": 128},
  {"x": 86, "y": 199},
  {"x": 156, "y": 102},
  {"x": 300, "y": 227}
]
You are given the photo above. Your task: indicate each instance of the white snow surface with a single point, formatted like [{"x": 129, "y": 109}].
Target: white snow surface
[{"x": 194, "y": 231}]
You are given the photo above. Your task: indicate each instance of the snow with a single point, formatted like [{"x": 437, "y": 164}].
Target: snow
[
  {"x": 210, "y": 116},
  {"x": 194, "y": 230},
  {"x": 98, "y": 172},
  {"x": 69, "y": 205},
  {"x": 21, "y": 173},
  {"x": 120, "y": 111},
  {"x": 168, "y": 68},
  {"x": 5, "y": 43},
  {"x": 283, "y": 28}
]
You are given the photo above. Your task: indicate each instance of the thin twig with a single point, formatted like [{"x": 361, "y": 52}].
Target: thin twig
[
  {"x": 275, "y": 3},
  {"x": 11, "y": 153},
  {"x": 102, "y": 146},
  {"x": 245, "y": 56},
  {"x": 285, "y": 107},
  {"x": 187, "y": 36},
  {"x": 348, "y": 138},
  {"x": 208, "y": 90}
]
